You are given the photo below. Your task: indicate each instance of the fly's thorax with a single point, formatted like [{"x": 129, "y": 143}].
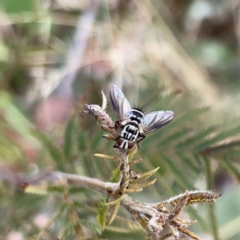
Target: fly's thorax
[
  {"x": 124, "y": 122},
  {"x": 135, "y": 115}
]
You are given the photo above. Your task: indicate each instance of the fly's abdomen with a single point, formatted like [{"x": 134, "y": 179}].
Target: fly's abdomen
[
  {"x": 128, "y": 136},
  {"x": 130, "y": 132}
]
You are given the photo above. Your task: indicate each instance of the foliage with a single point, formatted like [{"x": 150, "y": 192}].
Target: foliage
[{"x": 165, "y": 55}]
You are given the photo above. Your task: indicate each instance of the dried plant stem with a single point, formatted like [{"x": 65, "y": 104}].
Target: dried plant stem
[
  {"x": 154, "y": 218},
  {"x": 91, "y": 183},
  {"x": 125, "y": 173}
]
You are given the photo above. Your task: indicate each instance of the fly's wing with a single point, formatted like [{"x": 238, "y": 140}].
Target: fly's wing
[
  {"x": 156, "y": 120},
  {"x": 121, "y": 105}
]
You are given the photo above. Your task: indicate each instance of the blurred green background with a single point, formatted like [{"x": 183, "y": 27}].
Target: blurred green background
[{"x": 55, "y": 56}]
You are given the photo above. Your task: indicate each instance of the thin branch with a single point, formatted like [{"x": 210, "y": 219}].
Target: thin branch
[{"x": 154, "y": 218}]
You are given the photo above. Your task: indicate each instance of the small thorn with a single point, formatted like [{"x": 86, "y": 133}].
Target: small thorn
[
  {"x": 23, "y": 186},
  {"x": 121, "y": 167}
]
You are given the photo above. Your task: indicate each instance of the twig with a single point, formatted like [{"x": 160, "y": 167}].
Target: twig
[{"x": 154, "y": 218}]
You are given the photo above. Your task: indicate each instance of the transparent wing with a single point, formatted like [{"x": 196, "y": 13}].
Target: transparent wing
[
  {"x": 156, "y": 120},
  {"x": 121, "y": 105}
]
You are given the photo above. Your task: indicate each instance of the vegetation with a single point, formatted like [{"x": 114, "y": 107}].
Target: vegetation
[{"x": 56, "y": 56}]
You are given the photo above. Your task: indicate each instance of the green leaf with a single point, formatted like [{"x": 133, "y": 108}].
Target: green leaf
[
  {"x": 186, "y": 118},
  {"x": 15, "y": 118},
  {"x": 50, "y": 222},
  {"x": 211, "y": 208},
  {"x": 96, "y": 140},
  {"x": 101, "y": 215},
  {"x": 56, "y": 188},
  {"x": 196, "y": 157},
  {"x": 198, "y": 137},
  {"x": 221, "y": 136},
  {"x": 208, "y": 172},
  {"x": 191, "y": 163},
  {"x": 10, "y": 151},
  {"x": 116, "y": 175},
  {"x": 145, "y": 175},
  {"x": 38, "y": 190},
  {"x": 12, "y": 6},
  {"x": 54, "y": 152},
  {"x": 233, "y": 154},
  {"x": 67, "y": 228},
  {"x": 114, "y": 213},
  {"x": 194, "y": 215},
  {"x": 231, "y": 168},
  {"x": 179, "y": 175},
  {"x": 91, "y": 226},
  {"x": 68, "y": 139},
  {"x": 213, "y": 221},
  {"x": 174, "y": 137},
  {"x": 81, "y": 142},
  {"x": 223, "y": 148}
]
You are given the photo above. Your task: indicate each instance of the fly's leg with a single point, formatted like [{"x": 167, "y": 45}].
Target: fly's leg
[{"x": 140, "y": 138}]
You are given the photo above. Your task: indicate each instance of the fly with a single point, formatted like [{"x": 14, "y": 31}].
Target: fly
[{"x": 133, "y": 124}]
